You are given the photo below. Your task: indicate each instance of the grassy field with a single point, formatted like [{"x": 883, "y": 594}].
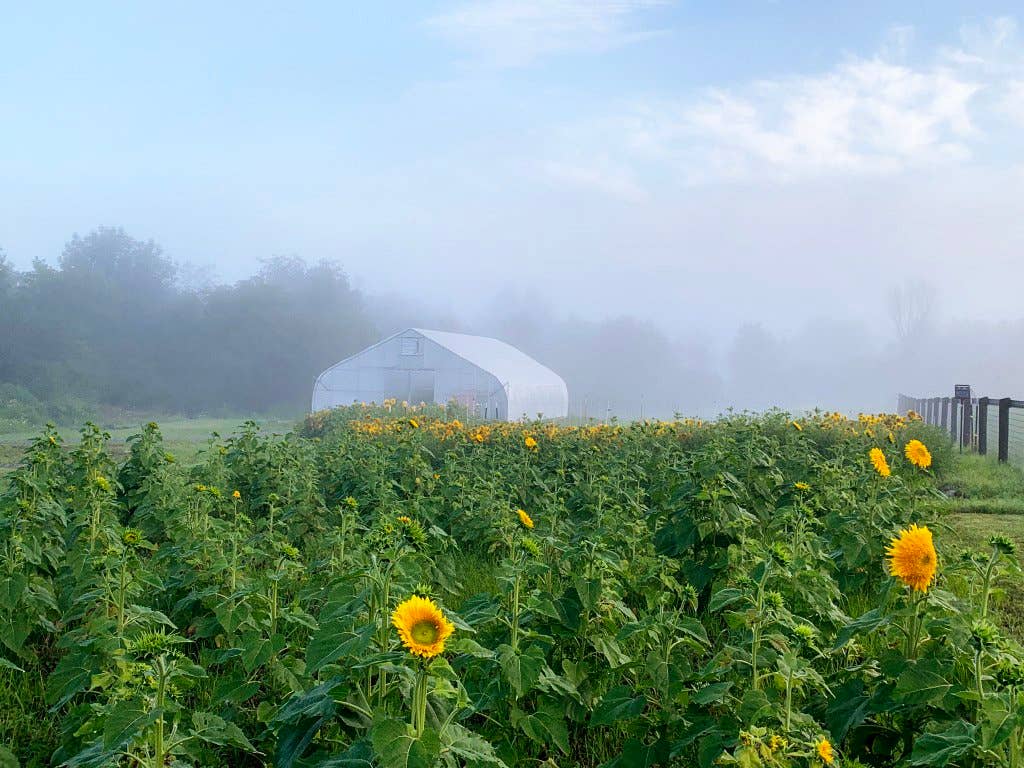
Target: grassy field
[
  {"x": 986, "y": 499},
  {"x": 182, "y": 436}
]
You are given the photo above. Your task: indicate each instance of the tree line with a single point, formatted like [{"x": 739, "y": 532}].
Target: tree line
[{"x": 113, "y": 324}]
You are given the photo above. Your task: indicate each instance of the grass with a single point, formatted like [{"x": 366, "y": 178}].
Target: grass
[
  {"x": 183, "y": 437},
  {"x": 986, "y": 499},
  {"x": 980, "y": 484}
]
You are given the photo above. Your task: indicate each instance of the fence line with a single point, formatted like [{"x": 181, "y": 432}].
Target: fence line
[{"x": 980, "y": 424}]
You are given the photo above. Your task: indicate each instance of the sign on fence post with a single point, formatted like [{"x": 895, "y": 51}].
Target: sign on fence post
[{"x": 962, "y": 391}]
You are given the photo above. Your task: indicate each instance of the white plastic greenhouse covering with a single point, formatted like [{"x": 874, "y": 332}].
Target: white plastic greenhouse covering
[{"x": 492, "y": 379}]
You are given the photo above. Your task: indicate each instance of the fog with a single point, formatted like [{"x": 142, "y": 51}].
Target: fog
[{"x": 657, "y": 201}]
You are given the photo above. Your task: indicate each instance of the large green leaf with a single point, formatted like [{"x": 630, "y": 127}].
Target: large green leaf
[
  {"x": 333, "y": 641},
  {"x": 868, "y": 622},
  {"x": 618, "y": 704},
  {"x": 125, "y": 721},
  {"x": 940, "y": 749},
  {"x": 522, "y": 669},
  {"x": 397, "y": 747},
  {"x": 545, "y": 726},
  {"x": 711, "y": 694},
  {"x": 215, "y": 730},
  {"x": 919, "y": 685},
  {"x": 724, "y": 597},
  {"x": 472, "y": 749},
  {"x": 11, "y": 588}
]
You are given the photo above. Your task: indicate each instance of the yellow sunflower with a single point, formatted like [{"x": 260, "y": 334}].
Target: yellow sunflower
[
  {"x": 825, "y": 751},
  {"x": 422, "y": 626},
  {"x": 530, "y": 443},
  {"x": 404, "y": 519},
  {"x": 918, "y": 454},
  {"x": 236, "y": 495},
  {"x": 912, "y": 557},
  {"x": 801, "y": 486},
  {"x": 524, "y": 518},
  {"x": 879, "y": 462},
  {"x": 796, "y": 426}
]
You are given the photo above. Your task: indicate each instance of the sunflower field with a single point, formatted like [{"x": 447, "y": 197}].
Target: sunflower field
[{"x": 391, "y": 587}]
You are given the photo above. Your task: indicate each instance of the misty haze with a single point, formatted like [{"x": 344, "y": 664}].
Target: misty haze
[{"x": 519, "y": 383}]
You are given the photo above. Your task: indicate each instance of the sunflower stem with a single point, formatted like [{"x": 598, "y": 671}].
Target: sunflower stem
[{"x": 419, "y": 701}]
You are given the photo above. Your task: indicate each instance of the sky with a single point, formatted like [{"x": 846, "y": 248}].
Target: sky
[{"x": 698, "y": 165}]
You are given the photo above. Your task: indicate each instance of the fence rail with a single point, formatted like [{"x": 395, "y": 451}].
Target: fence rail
[{"x": 981, "y": 423}]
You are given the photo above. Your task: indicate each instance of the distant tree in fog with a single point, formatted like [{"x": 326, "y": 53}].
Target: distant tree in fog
[{"x": 910, "y": 307}]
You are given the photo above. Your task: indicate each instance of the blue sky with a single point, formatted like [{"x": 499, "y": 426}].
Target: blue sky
[{"x": 688, "y": 163}]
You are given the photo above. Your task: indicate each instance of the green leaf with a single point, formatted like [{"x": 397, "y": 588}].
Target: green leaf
[
  {"x": 7, "y": 759},
  {"x": 618, "y": 704},
  {"x": 724, "y": 597},
  {"x": 920, "y": 685},
  {"x": 546, "y": 726},
  {"x": 939, "y": 749},
  {"x": 11, "y": 589},
  {"x": 636, "y": 754},
  {"x": 331, "y": 642},
  {"x": 711, "y": 694},
  {"x": 473, "y": 749},
  {"x": 867, "y": 622},
  {"x": 215, "y": 730},
  {"x": 522, "y": 669},
  {"x": 396, "y": 747},
  {"x": 125, "y": 721},
  {"x": 848, "y": 709}
]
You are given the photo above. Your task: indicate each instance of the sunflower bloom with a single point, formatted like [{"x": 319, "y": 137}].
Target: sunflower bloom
[
  {"x": 530, "y": 443},
  {"x": 524, "y": 518},
  {"x": 912, "y": 557},
  {"x": 796, "y": 426},
  {"x": 825, "y": 751},
  {"x": 918, "y": 454},
  {"x": 413, "y": 423},
  {"x": 879, "y": 462},
  {"x": 801, "y": 486},
  {"x": 421, "y": 626},
  {"x": 236, "y": 495}
]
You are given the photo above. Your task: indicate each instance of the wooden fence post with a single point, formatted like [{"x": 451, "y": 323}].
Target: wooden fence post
[
  {"x": 982, "y": 425},
  {"x": 945, "y": 413},
  {"x": 1004, "y": 428},
  {"x": 952, "y": 418},
  {"x": 967, "y": 438}
]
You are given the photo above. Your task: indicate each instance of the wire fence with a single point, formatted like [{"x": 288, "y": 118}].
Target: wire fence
[{"x": 989, "y": 425}]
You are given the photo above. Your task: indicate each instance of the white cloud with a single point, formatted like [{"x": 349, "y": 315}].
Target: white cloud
[
  {"x": 865, "y": 116},
  {"x": 886, "y": 113},
  {"x": 511, "y": 33}
]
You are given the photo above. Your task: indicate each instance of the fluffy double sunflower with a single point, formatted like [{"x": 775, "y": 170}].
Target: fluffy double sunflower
[
  {"x": 879, "y": 462},
  {"x": 917, "y": 454},
  {"x": 912, "y": 557},
  {"x": 826, "y": 753},
  {"x": 422, "y": 626}
]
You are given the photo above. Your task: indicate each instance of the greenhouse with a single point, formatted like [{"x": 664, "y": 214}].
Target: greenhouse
[{"x": 491, "y": 379}]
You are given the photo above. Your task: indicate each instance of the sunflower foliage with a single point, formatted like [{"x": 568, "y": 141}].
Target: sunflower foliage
[{"x": 398, "y": 586}]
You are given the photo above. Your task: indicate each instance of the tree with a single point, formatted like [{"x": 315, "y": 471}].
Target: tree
[{"x": 910, "y": 308}]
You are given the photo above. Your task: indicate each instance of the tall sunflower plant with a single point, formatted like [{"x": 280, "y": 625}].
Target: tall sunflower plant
[
  {"x": 436, "y": 701},
  {"x": 938, "y": 656}
]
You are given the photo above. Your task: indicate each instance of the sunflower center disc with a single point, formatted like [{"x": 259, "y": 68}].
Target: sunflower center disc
[{"x": 424, "y": 632}]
